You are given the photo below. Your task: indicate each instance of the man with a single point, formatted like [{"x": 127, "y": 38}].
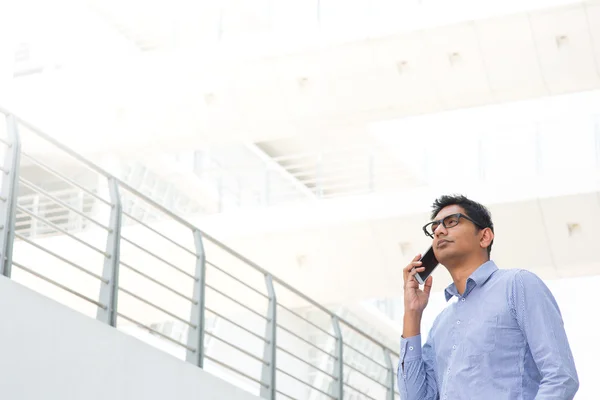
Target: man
[{"x": 503, "y": 339}]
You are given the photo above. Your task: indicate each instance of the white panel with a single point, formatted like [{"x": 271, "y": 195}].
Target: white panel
[
  {"x": 593, "y": 17},
  {"x": 346, "y": 58},
  {"x": 520, "y": 240},
  {"x": 407, "y": 87},
  {"x": 571, "y": 251},
  {"x": 348, "y": 70},
  {"x": 305, "y": 98},
  {"x": 510, "y": 57},
  {"x": 565, "y": 50},
  {"x": 461, "y": 80}
]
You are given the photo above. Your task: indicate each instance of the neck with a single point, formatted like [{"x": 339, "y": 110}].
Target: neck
[{"x": 462, "y": 269}]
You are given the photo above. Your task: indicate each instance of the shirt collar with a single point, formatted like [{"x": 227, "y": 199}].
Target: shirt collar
[{"x": 477, "y": 278}]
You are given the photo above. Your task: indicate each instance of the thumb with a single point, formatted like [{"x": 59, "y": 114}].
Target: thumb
[{"x": 428, "y": 284}]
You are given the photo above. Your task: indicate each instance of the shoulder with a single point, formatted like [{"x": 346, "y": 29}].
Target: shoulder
[
  {"x": 527, "y": 288},
  {"x": 521, "y": 277},
  {"x": 525, "y": 278}
]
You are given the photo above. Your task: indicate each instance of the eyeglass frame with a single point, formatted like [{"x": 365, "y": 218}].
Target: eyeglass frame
[{"x": 441, "y": 221}]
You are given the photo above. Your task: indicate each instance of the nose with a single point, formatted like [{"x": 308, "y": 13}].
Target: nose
[{"x": 441, "y": 229}]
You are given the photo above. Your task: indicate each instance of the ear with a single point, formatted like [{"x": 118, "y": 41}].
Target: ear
[{"x": 486, "y": 237}]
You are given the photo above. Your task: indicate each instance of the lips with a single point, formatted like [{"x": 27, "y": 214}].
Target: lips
[{"x": 441, "y": 242}]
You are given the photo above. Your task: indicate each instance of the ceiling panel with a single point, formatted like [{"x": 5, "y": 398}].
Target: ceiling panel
[
  {"x": 407, "y": 67},
  {"x": 348, "y": 71},
  {"x": 593, "y": 17},
  {"x": 303, "y": 82},
  {"x": 510, "y": 58},
  {"x": 458, "y": 66},
  {"x": 564, "y": 47},
  {"x": 361, "y": 91}
]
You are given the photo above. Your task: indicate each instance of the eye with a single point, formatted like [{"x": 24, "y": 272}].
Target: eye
[
  {"x": 451, "y": 221},
  {"x": 434, "y": 226}
]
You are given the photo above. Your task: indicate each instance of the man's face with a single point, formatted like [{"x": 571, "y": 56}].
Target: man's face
[{"x": 458, "y": 241}]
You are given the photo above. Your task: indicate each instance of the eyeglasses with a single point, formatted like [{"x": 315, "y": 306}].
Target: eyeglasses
[{"x": 449, "y": 221}]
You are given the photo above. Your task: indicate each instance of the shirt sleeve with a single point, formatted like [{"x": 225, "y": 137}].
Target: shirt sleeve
[
  {"x": 539, "y": 318},
  {"x": 416, "y": 370}
]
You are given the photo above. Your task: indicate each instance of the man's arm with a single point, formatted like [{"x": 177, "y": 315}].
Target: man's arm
[
  {"x": 416, "y": 370},
  {"x": 416, "y": 376},
  {"x": 540, "y": 321}
]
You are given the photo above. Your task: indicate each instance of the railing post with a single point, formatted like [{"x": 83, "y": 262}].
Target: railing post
[
  {"x": 109, "y": 292},
  {"x": 9, "y": 195},
  {"x": 390, "y": 374},
  {"x": 197, "y": 318},
  {"x": 338, "y": 366},
  {"x": 269, "y": 368}
]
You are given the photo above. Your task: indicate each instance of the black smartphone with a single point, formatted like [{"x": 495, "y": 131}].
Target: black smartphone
[{"x": 429, "y": 263}]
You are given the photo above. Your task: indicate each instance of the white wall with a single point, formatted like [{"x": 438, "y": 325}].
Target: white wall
[{"x": 48, "y": 351}]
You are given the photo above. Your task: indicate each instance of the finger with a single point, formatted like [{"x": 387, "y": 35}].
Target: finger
[
  {"x": 411, "y": 276},
  {"x": 428, "y": 284},
  {"x": 410, "y": 268},
  {"x": 415, "y": 262}
]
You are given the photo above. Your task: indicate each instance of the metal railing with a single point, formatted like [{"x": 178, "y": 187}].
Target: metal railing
[{"x": 235, "y": 319}]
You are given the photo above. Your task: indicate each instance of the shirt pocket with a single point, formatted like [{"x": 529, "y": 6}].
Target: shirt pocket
[{"x": 481, "y": 336}]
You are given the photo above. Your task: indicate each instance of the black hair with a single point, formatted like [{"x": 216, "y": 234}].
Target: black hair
[{"x": 478, "y": 212}]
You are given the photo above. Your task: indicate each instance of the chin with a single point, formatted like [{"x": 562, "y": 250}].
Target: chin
[{"x": 443, "y": 255}]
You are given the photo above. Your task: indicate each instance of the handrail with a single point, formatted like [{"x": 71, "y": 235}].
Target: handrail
[
  {"x": 189, "y": 225},
  {"x": 331, "y": 342}
]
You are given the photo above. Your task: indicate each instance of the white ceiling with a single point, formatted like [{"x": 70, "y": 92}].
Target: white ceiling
[{"x": 180, "y": 99}]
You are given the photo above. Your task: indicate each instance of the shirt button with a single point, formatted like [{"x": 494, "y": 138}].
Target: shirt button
[
  {"x": 411, "y": 348},
  {"x": 404, "y": 375},
  {"x": 463, "y": 299},
  {"x": 458, "y": 322},
  {"x": 453, "y": 347}
]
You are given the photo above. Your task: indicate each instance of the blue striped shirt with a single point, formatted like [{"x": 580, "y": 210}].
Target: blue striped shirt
[{"x": 503, "y": 339}]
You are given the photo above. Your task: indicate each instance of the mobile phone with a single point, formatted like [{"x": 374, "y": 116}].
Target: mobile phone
[{"x": 429, "y": 263}]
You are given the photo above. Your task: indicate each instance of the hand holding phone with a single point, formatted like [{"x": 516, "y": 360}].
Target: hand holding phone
[
  {"x": 416, "y": 298},
  {"x": 429, "y": 262}
]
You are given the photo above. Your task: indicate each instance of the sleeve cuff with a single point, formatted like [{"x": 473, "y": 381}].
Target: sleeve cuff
[{"x": 410, "y": 348}]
